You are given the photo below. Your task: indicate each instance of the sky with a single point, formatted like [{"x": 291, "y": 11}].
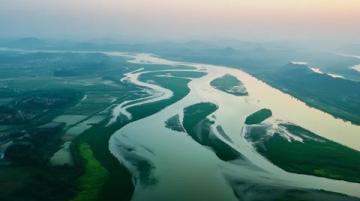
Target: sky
[{"x": 332, "y": 20}]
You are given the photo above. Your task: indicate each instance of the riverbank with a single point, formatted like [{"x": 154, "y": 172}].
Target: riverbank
[{"x": 140, "y": 137}]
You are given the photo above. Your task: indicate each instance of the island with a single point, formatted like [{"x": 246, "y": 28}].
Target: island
[
  {"x": 258, "y": 116},
  {"x": 229, "y": 84}
]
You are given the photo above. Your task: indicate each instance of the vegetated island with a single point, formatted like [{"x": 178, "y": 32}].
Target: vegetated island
[
  {"x": 229, "y": 84},
  {"x": 258, "y": 116},
  {"x": 198, "y": 126},
  {"x": 174, "y": 123},
  {"x": 303, "y": 152}
]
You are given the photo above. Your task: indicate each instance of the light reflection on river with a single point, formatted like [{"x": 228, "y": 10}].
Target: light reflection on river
[
  {"x": 184, "y": 168},
  {"x": 191, "y": 172}
]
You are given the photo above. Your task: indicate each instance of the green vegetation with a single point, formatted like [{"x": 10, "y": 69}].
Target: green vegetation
[
  {"x": 314, "y": 156},
  {"x": 187, "y": 74},
  {"x": 310, "y": 195},
  {"x": 258, "y": 116},
  {"x": 320, "y": 195},
  {"x": 53, "y": 64},
  {"x": 45, "y": 85},
  {"x": 94, "y": 177},
  {"x": 273, "y": 193},
  {"x": 197, "y": 125},
  {"x": 194, "y": 114},
  {"x": 37, "y": 183},
  {"x": 32, "y": 143},
  {"x": 179, "y": 87},
  {"x": 339, "y": 97},
  {"x": 53, "y": 84},
  {"x": 164, "y": 67},
  {"x": 30, "y": 87},
  {"x": 38, "y": 107},
  {"x": 229, "y": 84},
  {"x": 174, "y": 123},
  {"x": 119, "y": 185}
]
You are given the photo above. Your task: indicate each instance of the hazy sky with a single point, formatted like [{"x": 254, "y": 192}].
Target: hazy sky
[{"x": 182, "y": 19}]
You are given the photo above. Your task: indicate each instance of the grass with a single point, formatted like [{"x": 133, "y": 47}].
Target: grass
[
  {"x": 94, "y": 177},
  {"x": 119, "y": 186},
  {"x": 187, "y": 74},
  {"x": 229, "y": 84},
  {"x": 179, "y": 87},
  {"x": 174, "y": 123},
  {"x": 51, "y": 183},
  {"x": 338, "y": 97},
  {"x": 316, "y": 156},
  {"x": 198, "y": 125},
  {"x": 194, "y": 114},
  {"x": 258, "y": 116},
  {"x": 37, "y": 183},
  {"x": 87, "y": 181}
]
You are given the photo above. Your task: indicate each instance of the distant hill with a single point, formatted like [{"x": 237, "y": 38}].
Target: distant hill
[
  {"x": 29, "y": 42},
  {"x": 339, "y": 97}
]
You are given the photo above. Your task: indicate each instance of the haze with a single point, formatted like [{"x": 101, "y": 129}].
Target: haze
[{"x": 336, "y": 20}]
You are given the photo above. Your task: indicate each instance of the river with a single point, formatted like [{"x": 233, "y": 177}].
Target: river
[
  {"x": 182, "y": 167},
  {"x": 183, "y": 170}
]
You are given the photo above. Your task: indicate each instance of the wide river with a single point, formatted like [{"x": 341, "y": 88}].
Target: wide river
[
  {"x": 180, "y": 169},
  {"x": 184, "y": 170}
]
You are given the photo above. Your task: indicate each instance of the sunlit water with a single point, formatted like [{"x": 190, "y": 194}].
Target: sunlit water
[
  {"x": 184, "y": 170},
  {"x": 188, "y": 171}
]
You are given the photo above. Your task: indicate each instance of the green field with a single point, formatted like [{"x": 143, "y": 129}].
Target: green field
[
  {"x": 93, "y": 178},
  {"x": 43, "y": 93},
  {"x": 314, "y": 156}
]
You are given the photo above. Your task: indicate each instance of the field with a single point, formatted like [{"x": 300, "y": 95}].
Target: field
[
  {"x": 80, "y": 99},
  {"x": 314, "y": 155}
]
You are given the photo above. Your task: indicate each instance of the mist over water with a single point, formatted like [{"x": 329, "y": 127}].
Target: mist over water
[
  {"x": 144, "y": 20},
  {"x": 143, "y": 100}
]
